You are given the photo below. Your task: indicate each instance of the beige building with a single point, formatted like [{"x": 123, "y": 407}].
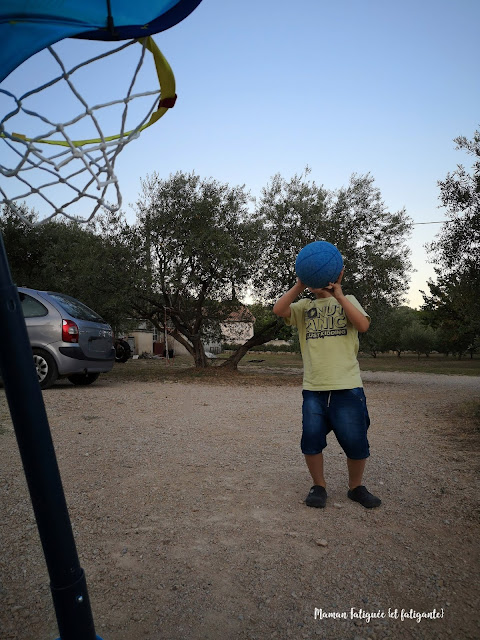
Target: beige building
[
  {"x": 145, "y": 339},
  {"x": 238, "y": 327}
]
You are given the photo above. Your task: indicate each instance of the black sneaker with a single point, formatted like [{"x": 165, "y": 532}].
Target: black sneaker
[
  {"x": 317, "y": 497},
  {"x": 364, "y": 497}
]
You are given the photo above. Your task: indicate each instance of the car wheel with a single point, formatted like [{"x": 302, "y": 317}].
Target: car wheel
[
  {"x": 83, "y": 378},
  {"x": 122, "y": 351},
  {"x": 47, "y": 371}
]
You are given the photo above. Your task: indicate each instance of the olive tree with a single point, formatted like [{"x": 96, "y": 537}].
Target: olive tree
[
  {"x": 371, "y": 239},
  {"x": 86, "y": 262},
  {"x": 197, "y": 246},
  {"x": 453, "y": 303}
]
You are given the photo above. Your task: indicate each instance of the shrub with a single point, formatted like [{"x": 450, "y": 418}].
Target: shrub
[{"x": 274, "y": 348}]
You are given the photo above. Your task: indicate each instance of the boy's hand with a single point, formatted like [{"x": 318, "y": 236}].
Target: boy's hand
[
  {"x": 335, "y": 288},
  {"x": 282, "y": 306}
]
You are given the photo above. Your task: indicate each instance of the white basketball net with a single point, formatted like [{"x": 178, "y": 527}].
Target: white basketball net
[{"x": 63, "y": 179}]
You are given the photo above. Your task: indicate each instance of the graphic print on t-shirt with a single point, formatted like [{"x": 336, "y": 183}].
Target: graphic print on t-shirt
[{"x": 325, "y": 322}]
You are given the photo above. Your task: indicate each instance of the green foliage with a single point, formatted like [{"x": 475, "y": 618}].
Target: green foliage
[
  {"x": 264, "y": 316},
  {"x": 387, "y": 329},
  {"x": 400, "y": 320},
  {"x": 272, "y": 348},
  {"x": 457, "y": 248},
  {"x": 198, "y": 247},
  {"x": 354, "y": 218},
  {"x": 418, "y": 338},
  {"x": 296, "y": 341},
  {"x": 197, "y": 235},
  {"x": 72, "y": 259},
  {"x": 380, "y": 336},
  {"x": 453, "y": 309},
  {"x": 453, "y": 303}
]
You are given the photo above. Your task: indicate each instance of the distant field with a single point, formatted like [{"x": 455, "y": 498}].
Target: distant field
[
  {"x": 433, "y": 364},
  {"x": 257, "y": 365}
]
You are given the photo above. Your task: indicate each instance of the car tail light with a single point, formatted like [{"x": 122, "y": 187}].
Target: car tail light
[{"x": 69, "y": 331}]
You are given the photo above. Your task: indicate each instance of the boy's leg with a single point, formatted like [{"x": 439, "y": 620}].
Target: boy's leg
[
  {"x": 349, "y": 416},
  {"x": 355, "y": 472},
  {"x": 317, "y": 496},
  {"x": 314, "y": 440},
  {"x": 357, "y": 492},
  {"x": 315, "y": 466}
]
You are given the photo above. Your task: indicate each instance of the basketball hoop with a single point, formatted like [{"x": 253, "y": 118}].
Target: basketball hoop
[
  {"x": 81, "y": 174},
  {"x": 54, "y": 171}
]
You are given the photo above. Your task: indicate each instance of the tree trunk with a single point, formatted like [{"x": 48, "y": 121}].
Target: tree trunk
[
  {"x": 265, "y": 335},
  {"x": 233, "y": 360},
  {"x": 199, "y": 357},
  {"x": 194, "y": 347}
]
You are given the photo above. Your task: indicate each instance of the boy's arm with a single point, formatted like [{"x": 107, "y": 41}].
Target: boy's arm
[
  {"x": 356, "y": 317},
  {"x": 282, "y": 306}
]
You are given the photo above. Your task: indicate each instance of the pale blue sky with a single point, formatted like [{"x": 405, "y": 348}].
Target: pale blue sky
[
  {"x": 344, "y": 86},
  {"x": 347, "y": 86}
]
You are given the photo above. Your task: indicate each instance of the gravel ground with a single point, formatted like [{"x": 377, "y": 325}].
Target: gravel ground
[{"x": 187, "y": 507}]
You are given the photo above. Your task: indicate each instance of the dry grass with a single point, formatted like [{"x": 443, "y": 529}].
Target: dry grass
[
  {"x": 435, "y": 363},
  {"x": 182, "y": 370},
  {"x": 279, "y": 368}
]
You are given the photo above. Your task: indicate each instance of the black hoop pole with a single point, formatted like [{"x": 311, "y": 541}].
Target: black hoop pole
[{"x": 29, "y": 417}]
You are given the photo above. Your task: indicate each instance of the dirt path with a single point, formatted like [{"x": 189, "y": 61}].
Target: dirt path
[{"x": 187, "y": 506}]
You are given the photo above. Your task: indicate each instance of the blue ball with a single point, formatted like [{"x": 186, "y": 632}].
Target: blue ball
[{"x": 318, "y": 263}]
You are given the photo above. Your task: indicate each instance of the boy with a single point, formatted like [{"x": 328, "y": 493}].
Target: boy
[{"x": 333, "y": 397}]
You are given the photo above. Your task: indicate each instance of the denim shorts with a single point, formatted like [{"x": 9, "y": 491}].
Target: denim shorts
[{"x": 342, "y": 411}]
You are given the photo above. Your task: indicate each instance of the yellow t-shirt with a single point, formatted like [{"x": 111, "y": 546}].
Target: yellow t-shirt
[{"x": 328, "y": 342}]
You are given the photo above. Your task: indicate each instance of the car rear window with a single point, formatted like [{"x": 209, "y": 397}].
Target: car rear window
[
  {"x": 76, "y": 308},
  {"x": 32, "y": 308}
]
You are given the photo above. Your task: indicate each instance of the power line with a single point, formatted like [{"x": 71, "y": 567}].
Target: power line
[{"x": 433, "y": 222}]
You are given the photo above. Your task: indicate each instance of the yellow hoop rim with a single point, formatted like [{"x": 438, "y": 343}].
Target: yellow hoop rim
[{"x": 166, "y": 81}]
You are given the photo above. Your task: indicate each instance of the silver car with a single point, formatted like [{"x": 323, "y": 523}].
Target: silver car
[{"x": 68, "y": 339}]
